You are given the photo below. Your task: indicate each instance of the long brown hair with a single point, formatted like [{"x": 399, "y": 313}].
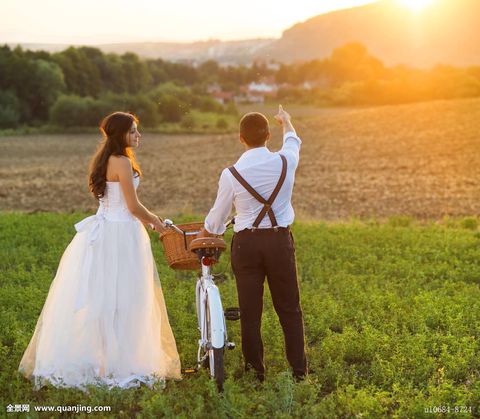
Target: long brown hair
[{"x": 114, "y": 128}]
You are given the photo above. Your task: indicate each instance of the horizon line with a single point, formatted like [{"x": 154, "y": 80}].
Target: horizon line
[{"x": 88, "y": 43}]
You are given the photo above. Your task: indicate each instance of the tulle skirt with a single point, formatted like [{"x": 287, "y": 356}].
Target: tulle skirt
[{"x": 104, "y": 320}]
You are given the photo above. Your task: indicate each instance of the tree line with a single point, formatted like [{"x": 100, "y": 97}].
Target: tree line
[
  {"x": 352, "y": 76},
  {"x": 75, "y": 87},
  {"x": 78, "y": 85}
]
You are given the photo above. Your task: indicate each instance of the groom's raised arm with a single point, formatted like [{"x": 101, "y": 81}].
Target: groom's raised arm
[
  {"x": 215, "y": 220},
  {"x": 291, "y": 141}
]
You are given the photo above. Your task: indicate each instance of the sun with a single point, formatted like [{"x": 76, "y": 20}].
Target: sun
[{"x": 415, "y": 5}]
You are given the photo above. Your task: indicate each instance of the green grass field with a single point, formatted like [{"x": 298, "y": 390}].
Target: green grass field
[{"x": 392, "y": 318}]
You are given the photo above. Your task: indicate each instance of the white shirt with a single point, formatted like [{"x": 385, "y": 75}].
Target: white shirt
[{"x": 261, "y": 169}]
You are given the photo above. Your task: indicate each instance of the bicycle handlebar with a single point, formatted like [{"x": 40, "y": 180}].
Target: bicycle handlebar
[{"x": 169, "y": 223}]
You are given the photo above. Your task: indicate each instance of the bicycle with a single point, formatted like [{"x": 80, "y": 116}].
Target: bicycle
[{"x": 210, "y": 314}]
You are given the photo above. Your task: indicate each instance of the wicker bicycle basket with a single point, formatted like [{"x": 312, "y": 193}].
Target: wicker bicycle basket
[{"x": 176, "y": 247}]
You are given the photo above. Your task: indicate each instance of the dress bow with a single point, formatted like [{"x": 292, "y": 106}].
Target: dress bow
[{"x": 93, "y": 225}]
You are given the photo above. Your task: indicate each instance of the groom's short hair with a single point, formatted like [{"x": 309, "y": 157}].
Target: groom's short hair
[{"x": 254, "y": 129}]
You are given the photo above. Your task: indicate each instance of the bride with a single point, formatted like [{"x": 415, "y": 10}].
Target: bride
[{"x": 104, "y": 320}]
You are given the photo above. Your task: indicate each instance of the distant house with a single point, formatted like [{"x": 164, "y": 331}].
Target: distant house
[
  {"x": 265, "y": 88},
  {"x": 254, "y": 92},
  {"x": 217, "y": 93},
  {"x": 250, "y": 97},
  {"x": 223, "y": 97},
  {"x": 257, "y": 92},
  {"x": 214, "y": 87}
]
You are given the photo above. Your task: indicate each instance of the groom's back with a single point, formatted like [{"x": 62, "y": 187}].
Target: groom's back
[
  {"x": 258, "y": 171},
  {"x": 262, "y": 169}
]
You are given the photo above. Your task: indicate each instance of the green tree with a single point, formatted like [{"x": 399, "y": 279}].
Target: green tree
[
  {"x": 157, "y": 70},
  {"x": 188, "y": 121},
  {"x": 222, "y": 123},
  {"x": 209, "y": 71},
  {"x": 47, "y": 83},
  {"x": 140, "y": 105},
  {"x": 113, "y": 74},
  {"x": 35, "y": 82},
  {"x": 352, "y": 62},
  {"x": 69, "y": 111},
  {"x": 171, "y": 108},
  {"x": 82, "y": 76},
  {"x": 9, "y": 109},
  {"x": 137, "y": 76},
  {"x": 110, "y": 69}
]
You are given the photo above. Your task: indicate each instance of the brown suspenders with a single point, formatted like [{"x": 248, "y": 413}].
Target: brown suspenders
[{"x": 267, "y": 203}]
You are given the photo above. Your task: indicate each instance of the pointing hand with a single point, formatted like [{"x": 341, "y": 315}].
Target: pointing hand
[{"x": 282, "y": 116}]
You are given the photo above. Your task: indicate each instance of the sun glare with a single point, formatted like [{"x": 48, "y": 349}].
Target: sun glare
[{"x": 416, "y": 5}]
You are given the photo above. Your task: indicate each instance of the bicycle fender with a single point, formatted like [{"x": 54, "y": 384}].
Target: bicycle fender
[
  {"x": 200, "y": 302},
  {"x": 216, "y": 316}
]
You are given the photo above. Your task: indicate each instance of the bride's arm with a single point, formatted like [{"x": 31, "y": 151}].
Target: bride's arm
[{"x": 123, "y": 168}]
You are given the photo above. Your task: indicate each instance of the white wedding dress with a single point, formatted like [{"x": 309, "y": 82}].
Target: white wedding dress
[{"x": 104, "y": 320}]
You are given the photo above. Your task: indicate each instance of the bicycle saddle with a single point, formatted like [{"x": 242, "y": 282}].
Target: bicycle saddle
[
  {"x": 204, "y": 243},
  {"x": 208, "y": 247}
]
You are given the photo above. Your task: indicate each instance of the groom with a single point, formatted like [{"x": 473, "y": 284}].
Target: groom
[{"x": 260, "y": 186}]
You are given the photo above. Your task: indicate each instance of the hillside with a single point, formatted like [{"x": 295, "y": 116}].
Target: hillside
[
  {"x": 445, "y": 33},
  {"x": 228, "y": 52},
  {"x": 225, "y": 52}
]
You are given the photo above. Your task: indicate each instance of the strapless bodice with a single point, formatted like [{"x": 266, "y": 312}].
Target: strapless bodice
[{"x": 113, "y": 205}]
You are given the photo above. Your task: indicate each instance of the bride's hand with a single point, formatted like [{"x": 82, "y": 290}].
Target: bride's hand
[{"x": 158, "y": 225}]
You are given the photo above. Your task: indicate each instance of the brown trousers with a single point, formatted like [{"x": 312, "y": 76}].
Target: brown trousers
[{"x": 257, "y": 254}]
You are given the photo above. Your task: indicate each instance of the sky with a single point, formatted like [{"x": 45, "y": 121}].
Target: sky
[{"x": 112, "y": 21}]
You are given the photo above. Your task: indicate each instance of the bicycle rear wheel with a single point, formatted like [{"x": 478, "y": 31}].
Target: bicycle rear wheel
[{"x": 218, "y": 373}]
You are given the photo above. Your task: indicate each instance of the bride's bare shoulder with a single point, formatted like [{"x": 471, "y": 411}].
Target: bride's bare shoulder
[
  {"x": 118, "y": 165},
  {"x": 119, "y": 161}
]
